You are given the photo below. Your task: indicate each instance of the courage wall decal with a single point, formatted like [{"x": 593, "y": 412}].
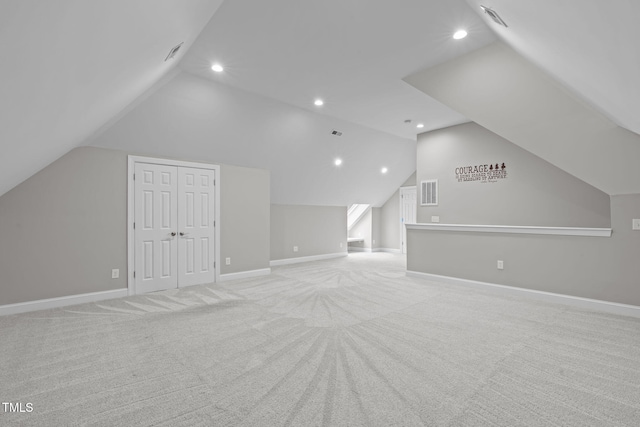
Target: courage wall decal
[{"x": 481, "y": 173}]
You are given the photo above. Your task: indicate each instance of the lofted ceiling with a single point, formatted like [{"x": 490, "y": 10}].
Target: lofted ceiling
[
  {"x": 351, "y": 53},
  {"x": 69, "y": 66},
  {"x": 79, "y": 72}
]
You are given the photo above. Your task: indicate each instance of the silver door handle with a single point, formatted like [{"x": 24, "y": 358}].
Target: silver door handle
[
  {"x": 183, "y": 234},
  {"x": 173, "y": 233}
]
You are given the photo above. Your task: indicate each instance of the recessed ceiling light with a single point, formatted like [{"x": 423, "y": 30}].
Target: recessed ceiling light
[
  {"x": 419, "y": 125},
  {"x": 217, "y": 68},
  {"x": 460, "y": 34},
  {"x": 337, "y": 162},
  {"x": 384, "y": 170},
  {"x": 318, "y": 102}
]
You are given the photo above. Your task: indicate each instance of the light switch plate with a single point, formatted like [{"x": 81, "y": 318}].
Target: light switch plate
[
  {"x": 435, "y": 218},
  {"x": 115, "y": 273},
  {"x": 635, "y": 225}
]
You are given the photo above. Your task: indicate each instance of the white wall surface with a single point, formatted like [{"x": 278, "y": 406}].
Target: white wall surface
[{"x": 200, "y": 119}]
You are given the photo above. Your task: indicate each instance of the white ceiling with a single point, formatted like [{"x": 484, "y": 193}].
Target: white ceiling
[
  {"x": 589, "y": 46},
  {"x": 69, "y": 66},
  {"x": 72, "y": 68},
  {"x": 351, "y": 53}
]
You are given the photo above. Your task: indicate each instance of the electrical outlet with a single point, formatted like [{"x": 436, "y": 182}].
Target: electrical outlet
[
  {"x": 500, "y": 264},
  {"x": 635, "y": 224},
  {"x": 295, "y": 249},
  {"x": 227, "y": 261},
  {"x": 340, "y": 244},
  {"x": 435, "y": 218},
  {"x": 115, "y": 273},
  {"x": 374, "y": 242}
]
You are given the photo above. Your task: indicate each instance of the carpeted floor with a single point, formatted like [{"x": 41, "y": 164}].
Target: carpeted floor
[{"x": 350, "y": 341}]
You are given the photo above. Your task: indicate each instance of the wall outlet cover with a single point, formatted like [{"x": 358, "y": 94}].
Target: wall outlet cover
[
  {"x": 295, "y": 249},
  {"x": 635, "y": 224},
  {"x": 500, "y": 264},
  {"x": 227, "y": 261},
  {"x": 435, "y": 218},
  {"x": 115, "y": 273}
]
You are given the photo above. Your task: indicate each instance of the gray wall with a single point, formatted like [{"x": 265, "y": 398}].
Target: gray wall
[
  {"x": 244, "y": 218},
  {"x": 534, "y": 193},
  {"x": 590, "y": 267},
  {"x": 65, "y": 228},
  {"x": 316, "y": 230}
]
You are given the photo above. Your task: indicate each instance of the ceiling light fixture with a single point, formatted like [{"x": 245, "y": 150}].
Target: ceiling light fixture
[
  {"x": 460, "y": 34},
  {"x": 419, "y": 125},
  {"x": 318, "y": 102},
  {"x": 217, "y": 68},
  {"x": 337, "y": 162},
  {"x": 384, "y": 170}
]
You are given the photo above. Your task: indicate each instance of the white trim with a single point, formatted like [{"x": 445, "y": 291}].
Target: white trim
[
  {"x": 401, "y": 193},
  {"x": 44, "y": 304},
  {"x": 245, "y": 274},
  {"x": 588, "y": 303},
  {"x": 515, "y": 229},
  {"x": 131, "y": 167},
  {"x": 288, "y": 261},
  {"x": 388, "y": 250},
  {"x": 354, "y": 239}
]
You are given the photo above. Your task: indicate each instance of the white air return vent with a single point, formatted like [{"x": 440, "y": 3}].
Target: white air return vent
[
  {"x": 173, "y": 52},
  {"x": 494, "y": 15},
  {"x": 336, "y": 133},
  {"x": 429, "y": 193}
]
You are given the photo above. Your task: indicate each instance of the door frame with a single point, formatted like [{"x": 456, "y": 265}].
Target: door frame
[
  {"x": 131, "y": 167},
  {"x": 403, "y": 244}
]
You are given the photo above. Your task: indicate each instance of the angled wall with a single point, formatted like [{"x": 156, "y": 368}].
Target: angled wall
[
  {"x": 498, "y": 89},
  {"x": 65, "y": 228},
  {"x": 533, "y": 193}
]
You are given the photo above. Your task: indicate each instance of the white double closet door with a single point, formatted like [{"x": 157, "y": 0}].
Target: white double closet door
[{"x": 174, "y": 227}]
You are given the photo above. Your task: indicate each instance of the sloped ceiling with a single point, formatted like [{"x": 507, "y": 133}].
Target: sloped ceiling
[
  {"x": 502, "y": 91},
  {"x": 196, "y": 119},
  {"x": 69, "y": 66},
  {"x": 351, "y": 53},
  {"x": 588, "y": 46},
  {"x": 81, "y": 72}
]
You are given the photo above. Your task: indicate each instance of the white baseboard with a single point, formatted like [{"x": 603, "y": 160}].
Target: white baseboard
[
  {"x": 358, "y": 249},
  {"x": 288, "y": 261},
  {"x": 389, "y": 250},
  {"x": 594, "y": 304},
  {"x": 245, "y": 274},
  {"x": 44, "y": 304}
]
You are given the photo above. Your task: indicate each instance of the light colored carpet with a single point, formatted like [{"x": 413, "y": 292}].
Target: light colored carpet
[{"x": 351, "y": 341}]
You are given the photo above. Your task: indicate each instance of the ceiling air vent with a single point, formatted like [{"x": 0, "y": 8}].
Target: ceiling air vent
[
  {"x": 336, "y": 133},
  {"x": 173, "y": 52},
  {"x": 494, "y": 15}
]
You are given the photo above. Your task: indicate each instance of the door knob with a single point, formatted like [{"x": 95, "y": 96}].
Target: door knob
[
  {"x": 173, "y": 233},
  {"x": 183, "y": 234}
]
